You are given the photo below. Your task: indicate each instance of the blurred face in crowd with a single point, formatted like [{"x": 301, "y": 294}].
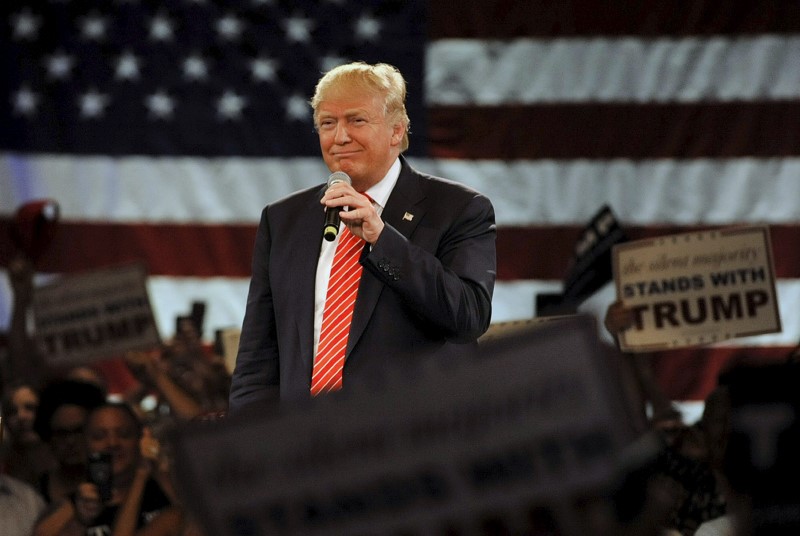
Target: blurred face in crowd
[
  {"x": 19, "y": 413},
  {"x": 355, "y": 135},
  {"x": 66, "y": 440},
  {"x": 113, "y": 430}
]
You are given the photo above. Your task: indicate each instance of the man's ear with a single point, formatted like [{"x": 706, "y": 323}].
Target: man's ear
[{"x": 398, "y": 130}]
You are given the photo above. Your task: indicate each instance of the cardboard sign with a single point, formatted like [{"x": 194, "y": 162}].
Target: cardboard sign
[
  {"x": 590, "y": 267},
  {"x": 499, "y": 330},
  {"x": 697, "y": 288},
  {"x": 94, "y": 315},
  {"x": 534, "y": 419},
  {"x": 228, "y": 343}
]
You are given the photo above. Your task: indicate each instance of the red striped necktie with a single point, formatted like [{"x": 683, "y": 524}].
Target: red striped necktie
[{"x": 339, "y": 303}]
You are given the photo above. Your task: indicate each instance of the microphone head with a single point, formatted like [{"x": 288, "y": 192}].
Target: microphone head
[{"x": 339, "y": 176}]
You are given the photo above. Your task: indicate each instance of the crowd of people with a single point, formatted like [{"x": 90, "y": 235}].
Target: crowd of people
[
  {"x": 56, "y": 422},
  {"x": 690, "y": 485}
]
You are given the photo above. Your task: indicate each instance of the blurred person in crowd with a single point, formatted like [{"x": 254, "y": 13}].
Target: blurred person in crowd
[
  {"x": 425, "y": 251},
  {"x": 138, "y": 486},
  {"x": 88, "y": 374},
  {"x": 198, "y": 368},
  {"x": 63, "y": 409},
  {"x": 31, "y": 232},
  {"x": 152, "y": 370},
  {"x": 715, "y": 425},
  {"x": 22, "y": 362},
  {"x": 186, "y": 375},
  {"x": 23, "y": 454},
  {"x": 687, "y": 456},
  {"x": 20, "y": 506},
  {"x": 174, "y": 521},
  {"x": 757, "y": 446}
]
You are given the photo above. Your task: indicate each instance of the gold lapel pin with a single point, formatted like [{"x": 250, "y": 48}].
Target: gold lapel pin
[{"x": 408, "y": 216}]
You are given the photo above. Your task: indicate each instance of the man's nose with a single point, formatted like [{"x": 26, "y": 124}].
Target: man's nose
[{"x": 342, "y": 136}]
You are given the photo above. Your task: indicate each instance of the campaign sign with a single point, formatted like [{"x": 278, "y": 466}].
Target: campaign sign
[
  {"x": 94, "y": 315},
  {"x": 592, "y": 264},
  {"x": 535, "y": 418},
  {"x": 697, "y": 288}
]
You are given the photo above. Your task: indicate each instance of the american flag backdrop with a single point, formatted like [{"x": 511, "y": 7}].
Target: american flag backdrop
[{"x": 163, "y": 127}]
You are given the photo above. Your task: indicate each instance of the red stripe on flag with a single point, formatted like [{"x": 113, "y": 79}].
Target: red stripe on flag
[
  {"x": 501, "y": 19},
  {"x": 533, "y": 252},
  {"x": 691, "y": 373},
  {"x": 603, "y": 131},
  {"x": 191, "y": 250}
]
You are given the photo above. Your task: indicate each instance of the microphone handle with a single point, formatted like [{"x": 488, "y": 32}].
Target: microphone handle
[{"x": 331, "y": 229}]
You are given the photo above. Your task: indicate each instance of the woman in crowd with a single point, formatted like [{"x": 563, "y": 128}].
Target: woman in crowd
[
  {"x": 23, "y": 454},
  {"x": 60, "y": 420},
  {"x": 136, "y": 479}
]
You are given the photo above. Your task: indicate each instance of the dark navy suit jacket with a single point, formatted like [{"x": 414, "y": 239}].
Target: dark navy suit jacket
[{"x": 425, "y": 291}]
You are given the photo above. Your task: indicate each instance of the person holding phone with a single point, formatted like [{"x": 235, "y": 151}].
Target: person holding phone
[{"x": 122, "y": 470}]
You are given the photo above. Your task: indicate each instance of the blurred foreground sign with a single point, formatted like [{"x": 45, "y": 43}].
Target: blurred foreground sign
[
  {"x": 534, "y": 419},
  {"x": 94, "y": 315},
  {"x": 697, "y": 288}
]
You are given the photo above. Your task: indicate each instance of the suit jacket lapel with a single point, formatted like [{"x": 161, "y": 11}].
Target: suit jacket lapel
[
  {"x": 304, "y": 267},
  {"x": 403, "y": 211}
]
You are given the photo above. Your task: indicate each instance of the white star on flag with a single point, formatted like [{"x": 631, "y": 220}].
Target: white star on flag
[
  {"x": 297, "y": 108},
  {"x": 160, "y": 105},
  {"x": 93, "y": 28},
  {"x": 195, "y": 68},
  {"x": 330, "y": 61},
  {"x": 229, "y": 28},
  {"x": 230, "y": 105},
  {"x": 93, "y": 104},
  {"x": 26, "y": 24},
  {"x": 161, "y": 28},
  {"x": 367, "y": 28},
  {"x": 59, "y": 65},
  {"x": 263, "y": 69},
  {"x": 25, "y": 101},
  {"x": 127, "y": 67},
  {"x": 298, "y": 29}
]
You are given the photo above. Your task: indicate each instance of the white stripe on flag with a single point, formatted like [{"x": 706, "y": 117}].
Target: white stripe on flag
[
  {"x": 513, "y": 300},
  {"x": 234, "y": 190},
  {"x": 628, "y": 69}
]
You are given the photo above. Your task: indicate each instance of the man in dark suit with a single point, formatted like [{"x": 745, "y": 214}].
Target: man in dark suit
[{"x": 427, "y": 261}]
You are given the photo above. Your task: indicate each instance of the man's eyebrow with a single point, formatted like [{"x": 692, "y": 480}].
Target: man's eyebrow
[{"x": 346, "y": 113}]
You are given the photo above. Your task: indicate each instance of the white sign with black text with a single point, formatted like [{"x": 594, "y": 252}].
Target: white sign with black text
[
  {"x": 697, "y": 288},
  {"x": 94, "y": 315}
]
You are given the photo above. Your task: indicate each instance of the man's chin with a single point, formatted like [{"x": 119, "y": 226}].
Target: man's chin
[{"x": 352, "y": 171}]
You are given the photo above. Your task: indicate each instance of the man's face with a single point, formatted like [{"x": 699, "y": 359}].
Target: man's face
[{"x": 356, "y": 137}]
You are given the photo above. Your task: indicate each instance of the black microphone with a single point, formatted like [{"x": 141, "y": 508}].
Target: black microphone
[{"x": 332, "y": 220}]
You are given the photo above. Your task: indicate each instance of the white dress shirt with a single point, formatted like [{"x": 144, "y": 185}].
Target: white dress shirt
[{"x": 379, "y": 193}]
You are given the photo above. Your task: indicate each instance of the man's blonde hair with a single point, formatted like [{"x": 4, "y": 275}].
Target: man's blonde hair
[{"x": 382, "y": 78}]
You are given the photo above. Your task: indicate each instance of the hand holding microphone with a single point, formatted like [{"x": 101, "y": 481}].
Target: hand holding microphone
[
  {"x": 332, "y": 220},
  {"x": 361, "y": 217}
]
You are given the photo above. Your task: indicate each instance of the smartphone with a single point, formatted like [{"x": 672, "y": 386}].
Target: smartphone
[{"x": 100, "y": 473}]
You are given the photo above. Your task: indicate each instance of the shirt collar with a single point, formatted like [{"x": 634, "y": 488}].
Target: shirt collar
[{"x": 381, "y": 191}]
